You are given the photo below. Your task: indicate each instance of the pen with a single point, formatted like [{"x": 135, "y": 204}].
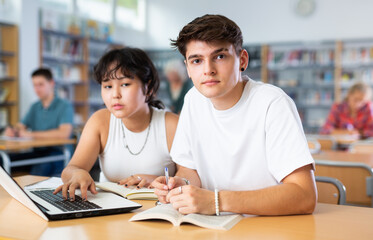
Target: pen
[{"x": 166, "y": 175}]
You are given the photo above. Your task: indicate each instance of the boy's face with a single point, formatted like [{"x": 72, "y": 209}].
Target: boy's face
[
  {"x": 215, "y": 69},
  {"x": 43, "y": 88}
]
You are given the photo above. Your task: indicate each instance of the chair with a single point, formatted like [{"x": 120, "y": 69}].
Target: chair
[
  {"x": 330, "y": 190},
  {"x": 326, "y": 142},
  {"x": 356, "y": 177},
  {"x": 313, "y": 145},
  {"x": 365, "y": 146}
]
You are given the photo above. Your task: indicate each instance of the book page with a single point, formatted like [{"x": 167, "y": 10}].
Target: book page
[
  {"x": 52, "y": 182},
  {"x": 224, "y": 222},
  {"x": 114, "y": 187},
  {"x": 142, "y": 194},
  {"x": 163, "y": 211}
]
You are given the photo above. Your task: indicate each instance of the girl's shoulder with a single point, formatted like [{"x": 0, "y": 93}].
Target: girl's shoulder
[
  {"x": 171, "y": 118},
  {"x": 100, "y": 117}
]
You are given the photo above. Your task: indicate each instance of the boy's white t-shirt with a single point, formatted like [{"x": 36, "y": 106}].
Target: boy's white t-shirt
[{"x": 253, "y": 145}]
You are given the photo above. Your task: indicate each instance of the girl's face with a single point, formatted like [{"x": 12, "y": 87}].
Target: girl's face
[
  {"x": 356, "y": 100},
  {"x": 124, "y": 97}
]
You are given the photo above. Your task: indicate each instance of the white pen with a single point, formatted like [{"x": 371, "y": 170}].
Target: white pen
[{"x": 166, "y": 175}]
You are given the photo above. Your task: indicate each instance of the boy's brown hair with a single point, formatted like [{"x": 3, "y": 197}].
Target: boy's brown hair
[{"x": 209, "y": 28}]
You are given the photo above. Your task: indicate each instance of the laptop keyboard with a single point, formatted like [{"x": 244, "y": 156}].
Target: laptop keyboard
[{"x": 65, "y": 205}]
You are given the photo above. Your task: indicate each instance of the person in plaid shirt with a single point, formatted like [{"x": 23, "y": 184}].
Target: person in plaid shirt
[{"x": 352, "y": 116}]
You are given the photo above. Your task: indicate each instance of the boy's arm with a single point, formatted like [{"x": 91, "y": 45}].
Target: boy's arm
[
  {"x": 189, "y": 174},
  {"x": 296, "y": 195},
  {"x": 63, "y": 131}
]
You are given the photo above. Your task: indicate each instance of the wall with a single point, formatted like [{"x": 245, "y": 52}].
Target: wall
[
  {"x": 28, "y": 53},
  {"x": 262, "y": 21},
  {"x": 10, "y": 11}
]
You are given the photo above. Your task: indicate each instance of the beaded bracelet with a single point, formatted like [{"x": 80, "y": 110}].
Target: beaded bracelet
[{"x": 217, "y": 202}]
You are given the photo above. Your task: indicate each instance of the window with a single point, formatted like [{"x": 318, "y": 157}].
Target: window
[
  {"x": 59, "y": 5},
  {"x": 130, "y": 13},
  {"x": 99, "y": 10}
]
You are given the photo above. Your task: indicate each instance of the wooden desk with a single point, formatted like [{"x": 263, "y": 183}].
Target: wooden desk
[
  {"x": 6, "y": 146},
  {"x": 327, "y": 222},
  {"x": 345, "y": 156}
]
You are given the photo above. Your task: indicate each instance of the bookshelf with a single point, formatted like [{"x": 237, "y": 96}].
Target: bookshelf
[
  {"x": 71, "y": 57},
  {"x": 65, "y": 54},
  {"x": 306, "y": 73},
  {"x": 8, "y": 74},
  {"x": 356, "y": 63}
]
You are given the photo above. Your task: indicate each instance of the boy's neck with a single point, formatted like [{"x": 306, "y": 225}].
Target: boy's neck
[
  {"x": 46, "y": 102},
  {"x": 231, "y": 98}
]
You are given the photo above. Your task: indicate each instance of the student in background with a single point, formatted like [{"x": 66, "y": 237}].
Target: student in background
[
  {"x": 49, "y": 117},
  {"x": 178, "y": 84},
  {"x": 240, "y": 143},
  {"x": 354, "y": 115},
  {"x": 133, "y": 136}
]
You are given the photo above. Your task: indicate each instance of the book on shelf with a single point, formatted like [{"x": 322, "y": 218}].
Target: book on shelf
[
  {"x": 3, "y": 117},
  {"x": 4, "y": 92},
  {"x": 130, "y": 192},
  {"x": 3, "y": 69},
  {"x": 168, "y": 213}
]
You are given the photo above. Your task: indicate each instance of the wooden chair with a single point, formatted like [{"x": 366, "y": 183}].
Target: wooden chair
[
  {"x": 326, "y": 142},
  {"x": 330, "y": 190},
  {"x": 365, "y": 146},
  {"x": 313, "y": 145},
  {"x": 356, "y": 177}
]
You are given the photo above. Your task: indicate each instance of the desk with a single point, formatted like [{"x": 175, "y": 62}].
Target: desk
[
  {"x": 6, "y": 146},
  {"x": 327, "y": 222},
  {"x": 345, "y": 156}
]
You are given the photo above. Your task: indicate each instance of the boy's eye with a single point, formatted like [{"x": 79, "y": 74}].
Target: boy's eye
[
  {"x": 125, "y": 84},
  {"x": 221, "y": 56},
  {"x": 196, "y": 61},
  {"x": 107, "y": 86}
]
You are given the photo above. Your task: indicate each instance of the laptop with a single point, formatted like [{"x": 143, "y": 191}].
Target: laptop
[{"x": 52, "y": 207}]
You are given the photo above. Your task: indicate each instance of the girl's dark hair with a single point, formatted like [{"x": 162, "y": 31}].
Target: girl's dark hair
[{"x": 131, "y": 62}]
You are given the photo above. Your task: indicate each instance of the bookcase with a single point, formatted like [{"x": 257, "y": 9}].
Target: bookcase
[
  {"x": 305, "y": 71},
  {"x": 355, "y": 64},
  {"x": 8, "y": 74},
  {"x": 71, "y": 57},
  {"x": 65, "y": 54}
]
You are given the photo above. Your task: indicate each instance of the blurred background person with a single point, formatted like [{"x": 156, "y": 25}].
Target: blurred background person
[
  {"x": 353, "y": 116},
  {"x": 178, "y": 84}
]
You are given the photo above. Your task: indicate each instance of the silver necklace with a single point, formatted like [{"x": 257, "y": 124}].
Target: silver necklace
[{"x": 146, "y": 139}]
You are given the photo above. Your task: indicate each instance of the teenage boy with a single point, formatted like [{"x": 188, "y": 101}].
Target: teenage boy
[
  {"x": 239, "y": 143},
  {"x": 49, "y": 117}
]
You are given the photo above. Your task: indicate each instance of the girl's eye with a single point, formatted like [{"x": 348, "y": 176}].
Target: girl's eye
[
  {"x": 107, "y": 86},
  {"x": 125, "y": 84}
]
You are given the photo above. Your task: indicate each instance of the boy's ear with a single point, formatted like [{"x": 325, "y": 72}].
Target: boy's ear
[{"x": 244, "y": 59}]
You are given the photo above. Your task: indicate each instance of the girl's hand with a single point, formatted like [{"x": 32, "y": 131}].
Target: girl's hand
[{"x": 140, "y": 180}]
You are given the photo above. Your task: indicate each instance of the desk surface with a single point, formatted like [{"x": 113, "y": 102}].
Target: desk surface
[
  {"x": 327, "y": 222},
  {"x": 345, "y": 156},
  {"x": 24, "y": 144}
]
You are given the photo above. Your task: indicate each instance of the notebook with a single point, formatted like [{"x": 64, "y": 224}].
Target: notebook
[
  {"x": 128, "y": 192},
  {"x": 52, "y": 207}
]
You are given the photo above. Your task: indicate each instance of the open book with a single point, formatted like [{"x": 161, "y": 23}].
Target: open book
[
  {"x": 167, "y": 212},
  {"x": 130, "y": 192}
]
